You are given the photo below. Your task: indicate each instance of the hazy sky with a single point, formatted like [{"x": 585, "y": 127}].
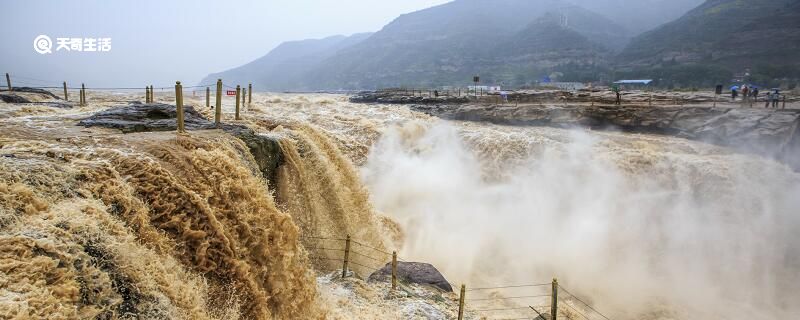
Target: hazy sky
[{"x": 159, "y": 42}]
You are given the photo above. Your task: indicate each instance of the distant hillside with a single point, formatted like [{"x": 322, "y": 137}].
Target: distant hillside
[
  {"x": 722, "y": 37},
  {"x": 640, "y": 15},
  {"x": 447, "y": 44},
  {"x": 283, "y": 68},
  {"x": 517, "y": 42}
]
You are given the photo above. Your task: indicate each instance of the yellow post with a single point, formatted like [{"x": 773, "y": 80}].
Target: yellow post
[
  {"x": 179, "y": 105},
  {"x": 394, "y": 270},
  {"x": 66, "y": 95},
  {"x": 249, "y": 94},
  {"x": 554, "y": 303},
  {"x": 8, "y": 81},
  {"x": 238, "y": 92},
  {"x": 461, "y": 302},
  {"x": 346, "y": 256},
  {"x": 208, "y": 97},
  {"x": 218, "y": 111}
]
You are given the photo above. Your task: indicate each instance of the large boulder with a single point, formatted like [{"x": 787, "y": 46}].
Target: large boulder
[
  {"x": 34, "y": 90},
  {"x": 163, "y": 117},
  {"x": 13, "y": 98},
  {"x": 412, "y": 272}
]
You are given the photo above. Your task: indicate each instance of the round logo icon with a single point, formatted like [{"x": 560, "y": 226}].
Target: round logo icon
[{"x": 42, "y": 44}]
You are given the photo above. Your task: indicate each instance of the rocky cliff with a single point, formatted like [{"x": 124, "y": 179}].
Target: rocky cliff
[{"x": 772, "y": 133}]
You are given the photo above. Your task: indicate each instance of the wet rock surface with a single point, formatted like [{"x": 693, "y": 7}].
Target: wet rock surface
[
  {"x": 138, "y": 117},
  {"x": 13, "y": 98},
  {"x": 33, "y": 90},
  {"x": 767, "y": 132},
  {"x": 413, "y": 272},
  {"x": 391, "y": 97}
]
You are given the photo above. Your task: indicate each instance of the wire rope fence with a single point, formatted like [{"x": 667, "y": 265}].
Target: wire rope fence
[{"x": 502, "y": 302}]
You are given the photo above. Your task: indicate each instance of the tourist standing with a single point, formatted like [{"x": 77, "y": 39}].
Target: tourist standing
[
  {"x": 768, "y": 99},
  {"x": 776, "y": 97},
  {"x": 745, "y": 93},
  {"x": 616, "y": 90},
  {"x": 734, "y": 93},
  {"x": 755, "y": 94}
]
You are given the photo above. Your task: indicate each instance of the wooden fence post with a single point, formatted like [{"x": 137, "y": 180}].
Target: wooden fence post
[
  {"x": 461, "y": 302},
  {"x": 238, "y": 92},
  {"x": 554, "y": 303},
  {"x": 346, "y": 256},
  {"x": 244, "y": 98},
  {"x": 249, "y": 94},
  {"x": 179, "y": 105},
  {"x": 66, "y": 95},
  {"x": 394, "y": 270},
  {"x": 8, "y": 81},
  {"x": 218, "y": 110},
  {"x": 152, "y": 94},
  {"x": 208, "y": 97},
  {"x": 83, "y": 95}
]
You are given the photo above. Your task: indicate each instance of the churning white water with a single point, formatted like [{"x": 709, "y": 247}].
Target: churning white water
[
  {"x": 641, "y": 224},
  {"x": 646, "y": 227}
]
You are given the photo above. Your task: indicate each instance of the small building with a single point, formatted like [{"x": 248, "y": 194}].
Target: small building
[{"x": 484, "y": 89}]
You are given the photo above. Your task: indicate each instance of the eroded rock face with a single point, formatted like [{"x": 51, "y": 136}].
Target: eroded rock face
[
  {"x": 413, "y": 272},
  {"x": 146, "y": 118},
  {"x": 772, "y": 133},
  {"x": 392, "y": 97},
  {"x": 35, "y": 90},
  {"x": 13, "y": 98},
  {"x": 163, "y": 117}
]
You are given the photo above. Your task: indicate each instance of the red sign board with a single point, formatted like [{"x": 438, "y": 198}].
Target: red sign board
[{"x": 231, "y": 92}]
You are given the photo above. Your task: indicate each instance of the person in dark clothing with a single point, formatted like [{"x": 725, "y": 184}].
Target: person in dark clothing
[
  {"x": 755, "y": 94},
  {"x": 734, "y": 94},
  {"x": 616, "y": 90},
  {"x": 776, "y": 97}
]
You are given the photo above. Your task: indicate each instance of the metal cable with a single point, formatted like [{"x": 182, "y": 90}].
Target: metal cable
[
  {"x": 321, "y": 258},
  {"x": 373, "y": 248},
  {"x": 329, "y": 249},
  {"x": 321, "y": 238},
  {"x": 576, "y": 310},
  {"x": 581, "y": 301},
  {"x": 509, "y": 298},
  {"x": 361, "y": 265},
  {"x": 514, "y": 286},
  {"x": 499, "y": 309},
  {"x": 366, "y": 256}
]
